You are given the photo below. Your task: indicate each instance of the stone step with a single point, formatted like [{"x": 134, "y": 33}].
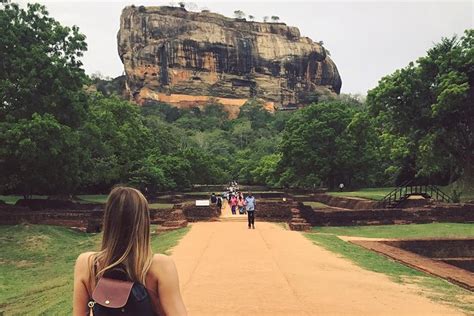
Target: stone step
[
  {"x": 295, "y": 211},
  {"x": 299, "y": 226},
  {"x": 162, "y": 229},
  {"x": 157, "y": 221},
  {"x": 79, "y": 229},
  {"x": 176, "y": 215},
  {"x": 179, "y": 223},
  {"x": 298, "y": 220}
]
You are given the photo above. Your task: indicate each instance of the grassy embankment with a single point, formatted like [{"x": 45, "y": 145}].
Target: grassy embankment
[
  {"x": 367, "y": 193},
  {"x": 379, "y": 193},
  {"x": 433, "y": 287},
  {"x": 37, "y": 263},
  {"x": 317, "y": 205},
  {"x": 97, "y": 198}
]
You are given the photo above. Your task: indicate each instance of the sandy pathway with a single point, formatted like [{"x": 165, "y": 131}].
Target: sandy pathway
[{"x": 227, "y": 269}]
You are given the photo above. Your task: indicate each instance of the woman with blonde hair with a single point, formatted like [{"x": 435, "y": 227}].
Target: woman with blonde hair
[{"x": 126, "y": 248}]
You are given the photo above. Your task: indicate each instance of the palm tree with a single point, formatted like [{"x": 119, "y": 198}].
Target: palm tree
[{"x": 275, "y": 18}]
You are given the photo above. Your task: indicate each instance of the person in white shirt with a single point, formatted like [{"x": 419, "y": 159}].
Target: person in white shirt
[
  {"x": 341, "y": 186},
  {"x": 250, "y": 205}
]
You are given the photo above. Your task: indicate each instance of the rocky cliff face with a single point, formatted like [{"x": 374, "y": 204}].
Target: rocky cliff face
[{"x": 184, "y": 58}]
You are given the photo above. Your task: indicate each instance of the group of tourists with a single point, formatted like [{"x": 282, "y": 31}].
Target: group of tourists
[{"x": 237, "y": 202}]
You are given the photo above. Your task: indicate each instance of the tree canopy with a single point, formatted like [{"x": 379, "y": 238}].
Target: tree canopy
[
  {"x": 326, "y": 144},
  {"x": 56, "y": 137},
  {"x": 40, "y": 68},
  {"x": 425, "y": 111}
]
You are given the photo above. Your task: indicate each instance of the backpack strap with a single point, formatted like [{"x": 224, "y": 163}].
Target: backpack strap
[{"x": 112, "y": 293}]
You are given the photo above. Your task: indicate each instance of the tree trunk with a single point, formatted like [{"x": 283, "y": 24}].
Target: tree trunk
[{"x": 466, "y": 181}]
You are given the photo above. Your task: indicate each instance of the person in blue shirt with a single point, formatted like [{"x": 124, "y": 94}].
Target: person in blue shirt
[{"x": 250, "y": 205}]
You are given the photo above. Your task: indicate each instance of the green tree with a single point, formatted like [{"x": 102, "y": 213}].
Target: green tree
[
  {"x": 318, "y": 145},
  {"x": 428, "y": 107},
  {"x": 177, "y": 171},
  {"x": 165, "y": 111},
  {"x": 205, "y": 167},
  {"x": 256, "y": 114},
  {"x": 40, "y": 68},
  {"x": 147, "y": 175},
  {"x": 114, "y": 135},
  {"x": 279, "y": 120},
  {"x": 42, "y": 102},
  {"x": 40, "y": 156},
  {"x": 165, "y": 137},
  {"x": 242, "y": 133},
  {"x": 265, "y": 171}
]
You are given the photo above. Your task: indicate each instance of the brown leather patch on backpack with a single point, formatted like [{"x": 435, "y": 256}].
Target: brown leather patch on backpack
[{"x": 112, "y": 293}]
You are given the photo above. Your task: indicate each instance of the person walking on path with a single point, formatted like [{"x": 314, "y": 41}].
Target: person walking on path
[
  {"x": 243, "y": 198},
  {"x": 233, "y": 203},
  {"x": 241, "y": 203},
  {"x": 219, "y": 203},
  {"x": 250, "y": 205}
]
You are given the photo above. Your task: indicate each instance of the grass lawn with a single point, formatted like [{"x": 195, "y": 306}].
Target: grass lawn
[
  {"x": 161, "y": 206},
  {"x": 96, "y": 198},
  {"x": 167, "y": 196},
  {"x": 11, "y": 199},
  {"x": 273, "y": 199},
  {"x": 379, "y": 193},
  {"x": 402, "y": 231},
  {"x": 467, "y": 193},
  {"x": 37, "y": 263},
  {"x": 368, "y": 193},
  {"x": 315, "y": 204},
  {"x": 433, "y": 287},
  {"x": 199, "y": 193},
  {"x": 93, "y": 198}
]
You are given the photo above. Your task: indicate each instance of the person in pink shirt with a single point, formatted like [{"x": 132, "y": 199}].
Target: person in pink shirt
[
  {"x": 233, "y": 203},
  {"x": 241, "y": 203}
]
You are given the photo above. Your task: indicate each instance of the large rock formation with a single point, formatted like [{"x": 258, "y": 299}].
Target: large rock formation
[{"x": 185, "y": 58}]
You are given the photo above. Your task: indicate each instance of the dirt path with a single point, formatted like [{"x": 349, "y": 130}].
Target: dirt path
[{"x": 227, "y": 269}]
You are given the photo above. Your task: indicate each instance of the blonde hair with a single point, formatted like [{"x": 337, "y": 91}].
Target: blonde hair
[{"x": 126, "y": 236}]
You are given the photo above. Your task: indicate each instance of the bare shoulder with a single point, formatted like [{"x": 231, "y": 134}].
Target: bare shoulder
[
  {"x": 162, "y": 263},
  {"x": 160, "y": 259},
  {"x": 85, "y": 256},
  {"x": 82, "y": 261}
]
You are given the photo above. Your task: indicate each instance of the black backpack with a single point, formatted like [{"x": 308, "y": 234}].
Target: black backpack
[{"x": 114, "y": 295}]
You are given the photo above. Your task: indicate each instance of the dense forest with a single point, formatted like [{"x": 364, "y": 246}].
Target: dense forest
[{"x": 63, "y": 132}]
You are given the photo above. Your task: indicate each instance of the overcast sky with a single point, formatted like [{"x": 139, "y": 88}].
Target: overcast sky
[{"x": 367, "y": 39}]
